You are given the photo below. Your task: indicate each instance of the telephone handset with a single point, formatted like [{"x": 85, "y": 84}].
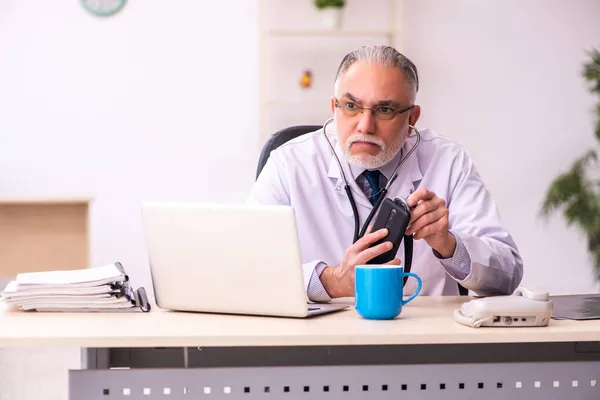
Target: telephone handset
[{"x": 521, "y": 309}]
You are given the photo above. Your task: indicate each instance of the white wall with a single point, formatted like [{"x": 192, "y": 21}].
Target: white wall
[
  {"x": 503, "y": 78},
  {"x": 139, "y": 107},
  {"x": 157, "y": 102}
]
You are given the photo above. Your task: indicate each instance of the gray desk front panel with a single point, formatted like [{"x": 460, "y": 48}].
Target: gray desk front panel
[
  {"x": 545, "y": 380},
  {"x": 339, "y": 355}
]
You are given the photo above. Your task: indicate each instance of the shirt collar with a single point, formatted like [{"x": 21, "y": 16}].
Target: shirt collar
[
  {"x": 387, "y": 170},
  {"x": 410, "y": 171}
]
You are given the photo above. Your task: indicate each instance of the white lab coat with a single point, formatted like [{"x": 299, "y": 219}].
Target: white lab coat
[{"x": 304, "y": 174}]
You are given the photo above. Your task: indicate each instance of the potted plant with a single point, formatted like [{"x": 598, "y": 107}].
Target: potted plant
[
  {"x": 576, "y": 192},
  {"x": 331, "y": 12}
]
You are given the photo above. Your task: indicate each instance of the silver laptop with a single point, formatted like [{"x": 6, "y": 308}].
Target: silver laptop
[{"x": 226, "y": 258}]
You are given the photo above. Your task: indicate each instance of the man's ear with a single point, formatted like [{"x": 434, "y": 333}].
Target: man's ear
[
  {"x": 332, "y": 103},
  {"x": 415, "y": 113}
]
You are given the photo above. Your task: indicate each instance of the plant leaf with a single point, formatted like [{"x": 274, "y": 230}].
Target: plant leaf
[
  {"x": 591, "y": 73},
  {"x": 575, "y": 195},
  {"x": 572, "y": 192},
  {"x": 596, "y": 259}
]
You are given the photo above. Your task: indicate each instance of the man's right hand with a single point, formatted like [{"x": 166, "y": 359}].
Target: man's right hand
[{"x": 339, "y": 281}]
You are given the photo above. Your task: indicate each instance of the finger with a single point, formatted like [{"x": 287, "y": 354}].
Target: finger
[
  {"x": 439, "y": 226},
  {"x": 372, "y": 252},
  {"x": 425, "y": 207},
  {"x": 425, "y": 220},
  {"x": 395, "y": 261},
  {"x": 419, "y": 195},
  {"x": 416, "y": 196},
  {"x": 369, "y": 239}
]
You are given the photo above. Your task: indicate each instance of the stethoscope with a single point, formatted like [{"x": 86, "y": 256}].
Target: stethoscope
[{"x": 357, "y": 234}]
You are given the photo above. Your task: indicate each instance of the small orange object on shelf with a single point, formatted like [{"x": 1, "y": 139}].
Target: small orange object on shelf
[{"x": 306, "y": 79}]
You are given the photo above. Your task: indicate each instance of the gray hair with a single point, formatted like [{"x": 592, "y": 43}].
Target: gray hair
[{"x": 384, "y": 55}]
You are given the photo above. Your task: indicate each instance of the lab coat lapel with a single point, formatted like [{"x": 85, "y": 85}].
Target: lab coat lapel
[{"x": 409, "y": 175}]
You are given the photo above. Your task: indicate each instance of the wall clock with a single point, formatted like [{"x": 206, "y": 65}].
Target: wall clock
[{"x": 103, "y": 7}]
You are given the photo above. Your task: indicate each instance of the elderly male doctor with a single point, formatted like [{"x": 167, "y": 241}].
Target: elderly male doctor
[{"x": 458, "y": 234}]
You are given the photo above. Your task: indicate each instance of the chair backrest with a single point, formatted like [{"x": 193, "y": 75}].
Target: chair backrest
[{"x": 279, "y": 138}]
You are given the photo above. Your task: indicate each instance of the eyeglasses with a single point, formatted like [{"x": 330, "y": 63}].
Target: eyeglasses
[{"x": 380, "y": 112}]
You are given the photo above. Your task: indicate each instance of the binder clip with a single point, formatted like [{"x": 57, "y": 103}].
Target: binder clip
[
  {"x": 141, "y": 299},
  {"x": 137, "y": 297}
]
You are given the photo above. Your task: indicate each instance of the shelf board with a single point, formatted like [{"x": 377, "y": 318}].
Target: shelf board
[
  {"x": 44, "y": 200},
  {"x": 293, "y": 102},
  {"x": 326, "y": 32}
]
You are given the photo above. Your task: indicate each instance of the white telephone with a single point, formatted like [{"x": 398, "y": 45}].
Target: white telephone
[{"x": 521, "y": 309}]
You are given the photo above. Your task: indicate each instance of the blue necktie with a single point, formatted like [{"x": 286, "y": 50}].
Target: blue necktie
[{"x": 373, "y": 179}]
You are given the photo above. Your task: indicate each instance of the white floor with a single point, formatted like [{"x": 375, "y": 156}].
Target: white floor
[{"x": 34, "y": 374}]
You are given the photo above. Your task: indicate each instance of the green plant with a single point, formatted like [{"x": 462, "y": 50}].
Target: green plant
[
  {"x": 576, "y": 192},
  {"x": 321, "y": 4}
]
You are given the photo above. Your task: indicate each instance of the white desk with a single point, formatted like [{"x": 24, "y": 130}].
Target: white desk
[{"x": 423, "y": 354}]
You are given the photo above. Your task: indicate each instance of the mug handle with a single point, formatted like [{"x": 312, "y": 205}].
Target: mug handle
[{"x": 419, "y": 283}]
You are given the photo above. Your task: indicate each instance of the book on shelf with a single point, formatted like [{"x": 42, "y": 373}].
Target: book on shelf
[{"x": 100, "y": 289}]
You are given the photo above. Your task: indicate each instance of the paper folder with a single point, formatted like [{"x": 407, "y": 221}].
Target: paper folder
[{"x": 100, "y": 289}]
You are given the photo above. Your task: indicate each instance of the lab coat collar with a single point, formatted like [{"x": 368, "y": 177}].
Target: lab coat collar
[{"x": 387, "y": 170}]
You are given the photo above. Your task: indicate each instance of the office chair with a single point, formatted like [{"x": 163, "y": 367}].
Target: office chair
[
  {"x": 279, "y": 138},
  {"x": 286, "y": 134}
]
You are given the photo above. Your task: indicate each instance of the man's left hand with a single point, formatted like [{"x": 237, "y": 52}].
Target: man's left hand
[{"x": 429, "y": 221}]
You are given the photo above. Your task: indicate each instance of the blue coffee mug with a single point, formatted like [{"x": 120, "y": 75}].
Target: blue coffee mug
[{"x": 379, "y": 290}]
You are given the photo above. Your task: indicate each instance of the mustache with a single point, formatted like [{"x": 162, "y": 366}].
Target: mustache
[{"x": 360, "y": 137}]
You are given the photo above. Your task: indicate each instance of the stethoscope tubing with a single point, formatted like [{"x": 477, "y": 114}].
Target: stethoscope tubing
[{"x": 357, "y": 234}]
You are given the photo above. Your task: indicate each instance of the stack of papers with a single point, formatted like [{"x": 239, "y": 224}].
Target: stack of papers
[{"x": 105, "y": 288}]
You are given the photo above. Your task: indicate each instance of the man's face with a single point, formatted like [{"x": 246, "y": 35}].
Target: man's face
[{"x": 370, "y": 140}]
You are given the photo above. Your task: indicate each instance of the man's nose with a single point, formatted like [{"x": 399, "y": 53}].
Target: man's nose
[{"x": 367, "y": 122}]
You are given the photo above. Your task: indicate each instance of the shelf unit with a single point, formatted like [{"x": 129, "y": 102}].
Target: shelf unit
[
  {"x": 327, "y": 32},
  {"x": 293, "y": 39},
  {"x": 43, "y": 234}
]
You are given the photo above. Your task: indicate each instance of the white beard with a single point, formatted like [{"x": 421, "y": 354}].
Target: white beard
[{"x": 368, "y": 161}]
